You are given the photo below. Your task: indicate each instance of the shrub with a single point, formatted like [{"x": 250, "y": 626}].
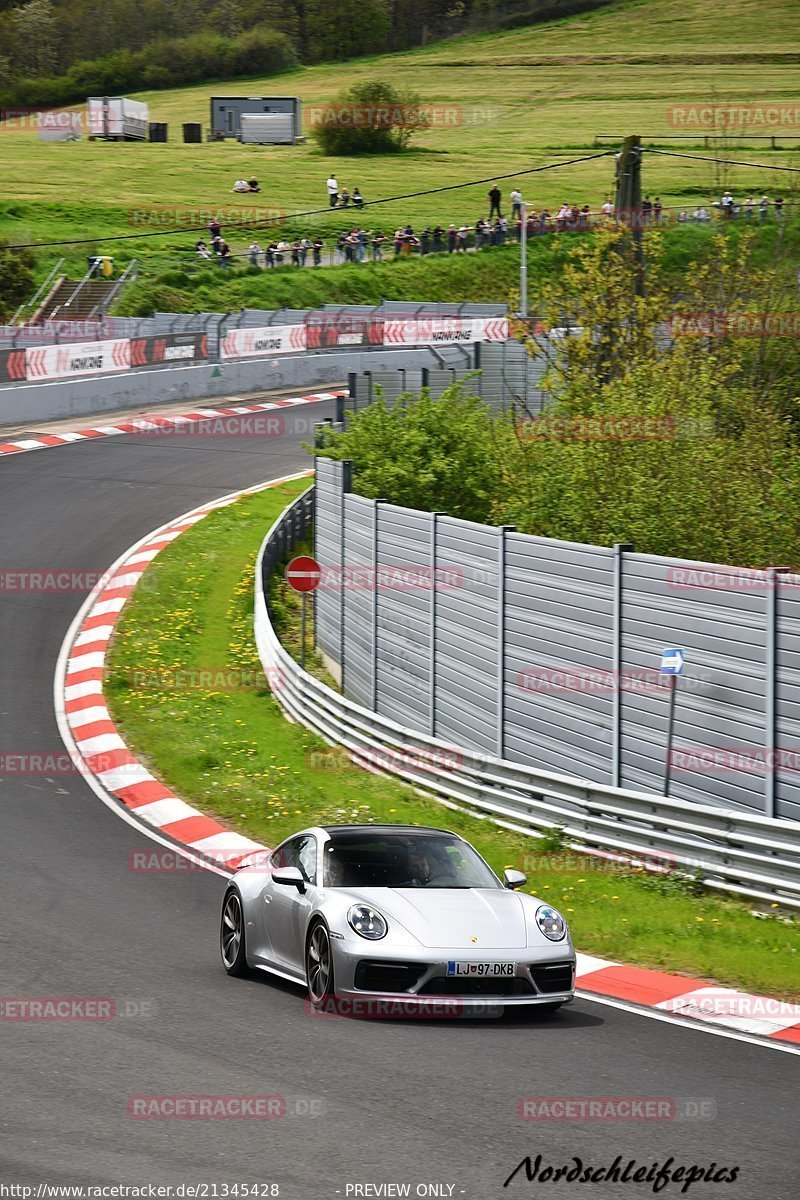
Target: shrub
[{"x": 370, "y": 118}]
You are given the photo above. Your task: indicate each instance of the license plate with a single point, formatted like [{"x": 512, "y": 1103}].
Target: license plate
[{"x": 482, "y": 970}]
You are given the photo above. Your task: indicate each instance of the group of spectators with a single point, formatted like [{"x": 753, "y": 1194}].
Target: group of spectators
[
  {"x": 342, "y": 198},
  {"x": 358, "y": 244}
]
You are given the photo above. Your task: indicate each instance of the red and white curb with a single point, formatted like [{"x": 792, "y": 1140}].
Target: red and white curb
[
  {"x": 97, "y": 748},
  {"x": 157, "y": 421},
  {"x": 121, "y": 781}
]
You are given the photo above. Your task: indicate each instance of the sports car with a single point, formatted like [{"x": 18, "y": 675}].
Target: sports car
[{"x": 384, "y": 913}]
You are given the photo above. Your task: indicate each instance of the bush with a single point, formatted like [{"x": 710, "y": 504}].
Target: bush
[
  {"x": 370, "y": 118},
  {"x": 16, "y": 278}
]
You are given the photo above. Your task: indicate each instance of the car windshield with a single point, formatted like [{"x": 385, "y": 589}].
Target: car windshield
[{"x": 404, "y": 860}]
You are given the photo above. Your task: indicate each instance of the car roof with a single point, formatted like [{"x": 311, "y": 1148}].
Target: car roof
[{"x": 413, "y": 830}]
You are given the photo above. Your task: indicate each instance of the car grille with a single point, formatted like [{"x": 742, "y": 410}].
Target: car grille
[
  {"x": 467, "y": 985},
  {"x": 552, "y": 977},
  {"x": 387, "y": 976}
]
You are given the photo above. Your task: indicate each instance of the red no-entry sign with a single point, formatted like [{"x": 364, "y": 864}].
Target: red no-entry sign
[{"x": 303, "y": 574}]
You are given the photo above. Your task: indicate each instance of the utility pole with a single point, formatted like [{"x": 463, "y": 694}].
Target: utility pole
[
  {"x": 523, "y": 262},
  {"x": 629, "y": 200}
]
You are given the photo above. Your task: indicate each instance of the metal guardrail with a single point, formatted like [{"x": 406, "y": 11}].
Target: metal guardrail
[{"x": 752, "y": 856}]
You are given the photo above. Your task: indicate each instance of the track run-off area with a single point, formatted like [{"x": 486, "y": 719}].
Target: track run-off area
[{"x": 419, "y": 1103}]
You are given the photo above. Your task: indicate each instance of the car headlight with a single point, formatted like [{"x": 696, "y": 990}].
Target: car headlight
[
  {"x": 551, "y": 923},
  {"x": 367, "y": 922}
]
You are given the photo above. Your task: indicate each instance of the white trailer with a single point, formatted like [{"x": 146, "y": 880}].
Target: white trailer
[
  {"x": 116, "y": 119},
  {"x": 267, "y": 129}
]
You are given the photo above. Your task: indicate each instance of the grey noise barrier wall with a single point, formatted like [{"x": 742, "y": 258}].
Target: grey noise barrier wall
[{"x": 547, "y": 653}]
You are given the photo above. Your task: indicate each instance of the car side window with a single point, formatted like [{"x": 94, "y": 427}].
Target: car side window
[
  {"x": 307, "y": 858},
  {"x": 300, "y": 852}
]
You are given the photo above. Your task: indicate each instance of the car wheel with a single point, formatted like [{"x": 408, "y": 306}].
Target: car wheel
[
  {"x": 231, "y": 934},
  {"x": 319, "y": 965}
]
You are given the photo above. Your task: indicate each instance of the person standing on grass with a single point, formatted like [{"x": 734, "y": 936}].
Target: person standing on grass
[
  {"x": 516, "y": 203},
  {"x": 296, "y": 252},
  {"x": 425, "y": 240},
  {"x": 224, "y": 252},
  {"x": 333, "y": 190},
  {"x": 214, "y": 229},
  {"x": 438, "y": 240},
  {"x": 317, "y": 248},
  {"x": 748, "y": 208},
  {"x": 763, "y": 208},
  {"x": 305, "y": 245},
  {"x": 778, "y": 202},
  {"x": 495, "y": 196},
  {"x": 377, "y": 246},
  {"x": 658, "y": 208},
  {"x": 452, "y": 238},
  {"x": 253, "y": 252},
  {"x": 269, "y": 254}
]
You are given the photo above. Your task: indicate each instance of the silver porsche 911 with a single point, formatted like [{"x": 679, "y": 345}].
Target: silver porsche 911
[{"x": 391, "y": 912}]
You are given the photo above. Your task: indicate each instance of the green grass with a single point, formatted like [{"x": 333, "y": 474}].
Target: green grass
[
  {"x": 234, "y": 755},
  {"x": 529, "y": 96}
]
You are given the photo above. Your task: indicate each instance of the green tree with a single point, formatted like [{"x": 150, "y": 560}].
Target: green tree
[
  {"x": 16, "y": 278},
  {"x": 372, "y": 117}
]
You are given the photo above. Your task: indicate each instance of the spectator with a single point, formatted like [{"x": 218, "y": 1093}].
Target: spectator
[
  {"x": 253, "y": 252},
  {"x": 778, "y": 202},
  {"x": 377, "y": 246},
  {"x": 647, "y": 208},
  {"x": 214, "y": 229},
  {"x": 224, "y": 252},
  {"x": 683, "y": 216},
  {"x": 748, "y": 208},
  {"x": 480, "y": 233},
  {"x": 333, "y": 191},
  {"x": 253, "y": 184},
  {"x": 608, "y": 208},
  {"x": 358, "y": 199},
  {"x": 281, "y": 249},
  {"x": 657, "y": 210},
  {"x": 398, "y": 241},
  {"x": 763, "y": 208},
  {"x": 726, "y": 204},
  {"x": 241, "y": 186},
  {"x": 425, "y": 240},
  {"x": 305, "y": 245},
  {"x": 701, "y": 214},
  {"x": 462, "y": 237},
  {"x": 269, "y": 254},
  {"x": 562, "y": 216},
  {"x": 502, "y": 230},
  {"x": 317, "y": 248},
  {"x": 296, "y": 252},
  {"x": 340, "y": 246},
  {"x": 438, "y": 240},
  {"x": 585, "y": 217},
  {"x": 452, "y": 238},
  {"x": 344, "y": 198},
  {"x": 495, "y": 196},
  {"x": 516, "y": 203},
  {"x": 202, "y": 249}
]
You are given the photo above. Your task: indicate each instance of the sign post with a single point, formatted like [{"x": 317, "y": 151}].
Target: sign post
[
  {"x": 672, "y": 663},
  {"x": 303, "y": 575}
]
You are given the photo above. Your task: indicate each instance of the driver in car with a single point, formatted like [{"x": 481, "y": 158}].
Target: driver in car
[{"x": 424, "y": 873}]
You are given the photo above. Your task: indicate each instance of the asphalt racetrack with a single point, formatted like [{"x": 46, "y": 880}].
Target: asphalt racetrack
[{"x": 429, "y": 1105}]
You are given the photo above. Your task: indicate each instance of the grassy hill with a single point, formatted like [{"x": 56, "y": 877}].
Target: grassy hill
[{"x": 527, "y": 97}]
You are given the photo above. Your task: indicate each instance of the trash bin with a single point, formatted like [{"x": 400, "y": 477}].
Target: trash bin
[
  {"x": 192, "y": 131},
  {"x": 157, "y": 131}
]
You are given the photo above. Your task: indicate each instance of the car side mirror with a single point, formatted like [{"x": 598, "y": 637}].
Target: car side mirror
[
  {"x": 289, "y": 877},
  {"x": 514, "y": 879}
]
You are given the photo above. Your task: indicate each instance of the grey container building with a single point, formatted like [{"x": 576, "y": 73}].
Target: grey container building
[{"x": 227, "y": 111}]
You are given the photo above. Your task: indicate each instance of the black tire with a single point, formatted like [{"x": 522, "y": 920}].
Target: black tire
[
  {"x": 232, "y": 934},
  {"x": 319, "y": 965}
]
